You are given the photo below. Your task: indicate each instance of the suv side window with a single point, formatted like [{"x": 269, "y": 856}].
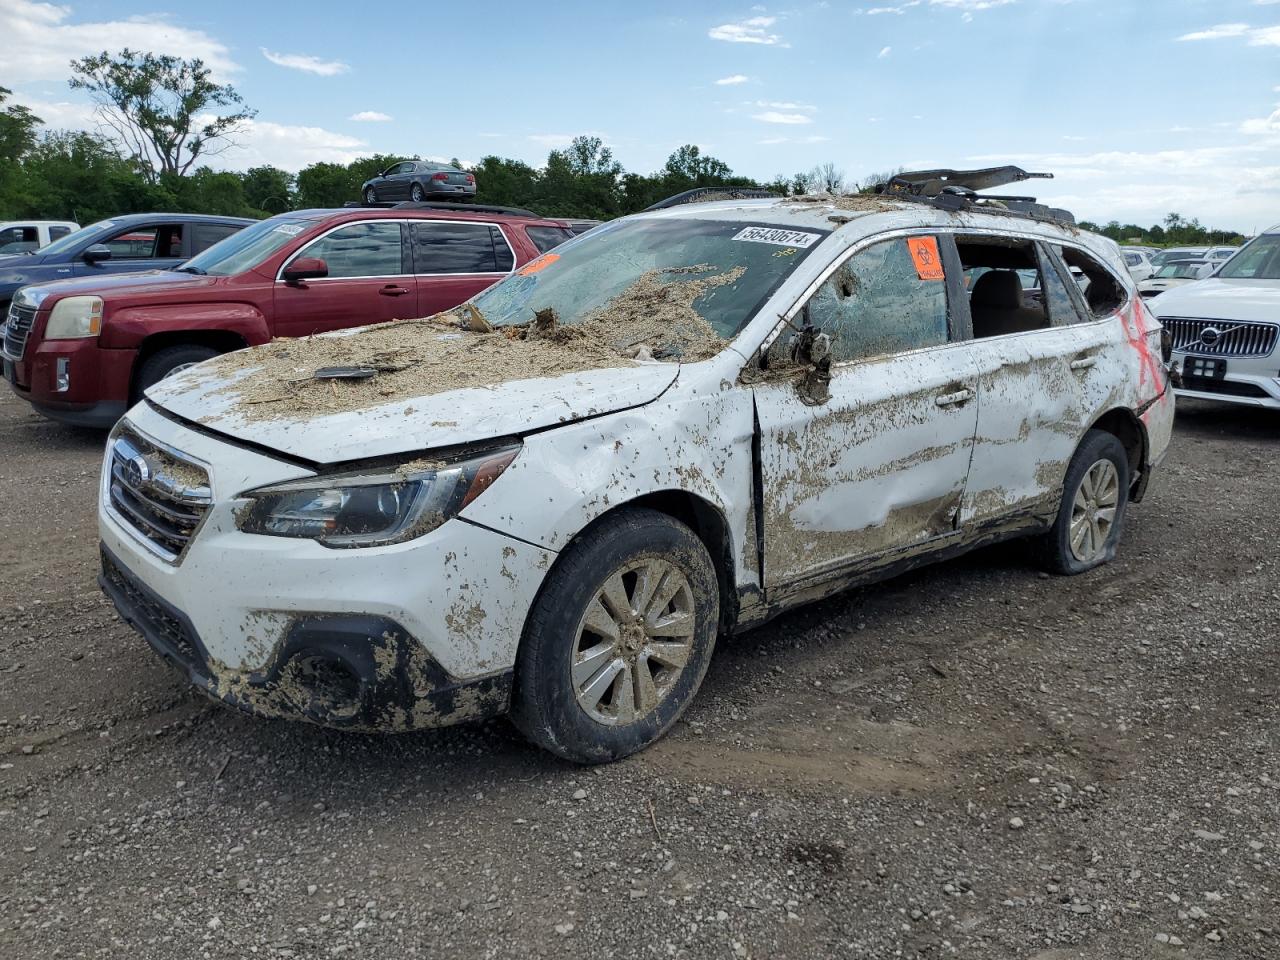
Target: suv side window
[
  {"x": 544, "y": 238},
  {"x": 1054, "y": 278},
  {"x": 207, "y": 234},
  {"x": 57, "y": 233},
  {"x": 1103, "y": 294},
  {"x": 459, "y": 248},
  {"x": 888, "y": 298},
  {"x": 360, "y": 250}
]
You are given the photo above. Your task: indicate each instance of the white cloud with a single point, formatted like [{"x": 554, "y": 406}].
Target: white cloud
[
  {"x": 39, "y": 41},
  {"x": 291, "y": 147},
  {"x": 1068, "y": 136},
  {"x": 306, "y": 63},
  {"x": 1218, "y": 32},
  {"x": 1268, "y": 124},
  {"x": 786, "y": 105},
  {"x": 773, "y": 116},
  {"x": 731, "y": 81},
  {"x": 884, "y": 52},
  {"x": 60, "y": 114},
  {"x": 897, "y": 9},
  {"x": 1265, "y": 37},
  {"x": 971, "y": 5},
  {"x": 752, "y": 30},
  {"x": 556, "y": 141},
  {"x": 371, "y": 116}
]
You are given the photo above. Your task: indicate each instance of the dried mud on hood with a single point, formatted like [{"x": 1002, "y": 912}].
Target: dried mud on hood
[{"x": 652, "y": 320}]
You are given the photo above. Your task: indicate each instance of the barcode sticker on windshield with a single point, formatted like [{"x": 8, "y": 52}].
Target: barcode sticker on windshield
[
  {"x": 288, "y": 229},
  {"x": 782, "y": 238}
]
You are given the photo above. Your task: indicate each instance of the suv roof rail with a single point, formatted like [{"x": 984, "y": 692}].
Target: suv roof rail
[
  {"x": 479, "y": 207},
  {"x": 958, "y": 190},
  {"x": 708, "y": 194}
]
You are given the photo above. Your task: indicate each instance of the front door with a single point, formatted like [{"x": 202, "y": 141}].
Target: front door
[
  {"x": 878, "y": 468},
  {"x": 154, "y": 246},
  {"x": 368, "y": 282}
]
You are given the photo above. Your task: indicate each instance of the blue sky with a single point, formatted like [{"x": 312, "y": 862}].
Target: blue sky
[{"x": 1140, "y": 107}]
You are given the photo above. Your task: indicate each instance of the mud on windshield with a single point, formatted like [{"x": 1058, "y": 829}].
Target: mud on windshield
[{"x": 668, "y": 289}]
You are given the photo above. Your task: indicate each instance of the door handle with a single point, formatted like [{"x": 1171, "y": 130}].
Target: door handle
[
  {"x": 1083, "y": 363},
  {"x": 953, "y": 399},
  {"x": 391, "y": 290}
]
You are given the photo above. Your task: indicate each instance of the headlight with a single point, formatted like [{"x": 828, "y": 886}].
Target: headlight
[
  {"x": 74, "y": 318},
  {"x": 374, "y": 507}
]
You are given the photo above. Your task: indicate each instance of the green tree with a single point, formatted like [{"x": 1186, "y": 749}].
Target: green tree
[
  {"x": 162, "y": 110},
  {"x": 268, "y": 189}
]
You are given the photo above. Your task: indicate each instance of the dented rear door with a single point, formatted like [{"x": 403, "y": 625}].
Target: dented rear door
[{"x": 877, "y": 468}]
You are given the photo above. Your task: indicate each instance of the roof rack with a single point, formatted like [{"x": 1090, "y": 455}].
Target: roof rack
[
  {"x": 444, "y": 205},
  {"x": 708, "y": 194},
  {"x": 957, "y": 190}
]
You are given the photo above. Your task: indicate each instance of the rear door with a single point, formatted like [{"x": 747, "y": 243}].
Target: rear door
[
  {"x": 369, "y": 281},
  {"x": 876, "y": 470},
  {"x": 455, "y": 260},
  {"x": 149, "y": 246},
  {"x": 1040, "y": 389}
]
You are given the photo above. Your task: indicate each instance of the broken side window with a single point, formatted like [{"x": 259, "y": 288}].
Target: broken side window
[
  {"x": 1006, "y": 290},
  {"x": 1102, "y": 292},
  {"x": 883, "y": 301}
]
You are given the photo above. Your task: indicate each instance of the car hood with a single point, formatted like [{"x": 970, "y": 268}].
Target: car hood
[
  {"x": 1222, "y": 299},
  {"x": 236, "y": 396},
  {"x": 8, "y": 260},
  {"x": 134, "y": 284}
]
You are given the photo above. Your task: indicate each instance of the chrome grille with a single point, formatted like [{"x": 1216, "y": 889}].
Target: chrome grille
[
  {"x": 1221, "y": 338},
  {"x": 16, "y": 329},
  {"x": 160, "y": 495}
]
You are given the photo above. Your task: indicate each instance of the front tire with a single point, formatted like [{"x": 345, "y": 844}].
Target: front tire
[
  {"x": 1095, "y": 495},
  {"x": 167, "y": 362},
  {"x": 619, "y": 638},
  {"x": 370, "y": 195}
]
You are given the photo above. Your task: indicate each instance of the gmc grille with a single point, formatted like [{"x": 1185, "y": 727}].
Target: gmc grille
[
  {"x": 17, "y": 327},
  {"x": 1221, "y": 338},
  {"x": 159, "y": 495}
]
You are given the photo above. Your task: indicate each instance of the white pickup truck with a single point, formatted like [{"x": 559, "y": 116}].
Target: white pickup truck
[{"x": 23, "y": 236}]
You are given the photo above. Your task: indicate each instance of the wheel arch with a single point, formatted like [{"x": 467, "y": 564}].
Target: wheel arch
[
  {"x": 224, "y": 341},
  {"x": 1123, "y": 424},
  {"x": 708, "y": 523}
]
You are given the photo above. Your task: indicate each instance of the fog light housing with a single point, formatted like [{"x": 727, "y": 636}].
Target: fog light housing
[{"x": 62, "y": 375}]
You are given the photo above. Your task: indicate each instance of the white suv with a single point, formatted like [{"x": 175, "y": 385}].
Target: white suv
[
  {"x": 554, "y": 499},
  {"x": 1225, "y": 328}
]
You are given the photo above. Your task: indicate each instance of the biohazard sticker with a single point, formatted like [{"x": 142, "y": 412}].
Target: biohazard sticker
[
  {"x": 778, "y": 237},
  {"x": 924, "y": 251}
]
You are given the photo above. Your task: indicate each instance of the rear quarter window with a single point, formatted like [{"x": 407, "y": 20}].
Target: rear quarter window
[{"x": 545, "y": 238}]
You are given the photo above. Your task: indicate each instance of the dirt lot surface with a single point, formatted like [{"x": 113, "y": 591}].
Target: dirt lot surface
[{"x": 972, "y": 760}]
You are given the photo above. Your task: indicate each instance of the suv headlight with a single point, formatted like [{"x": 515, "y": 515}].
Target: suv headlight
[
  {"x": 74, "y": 318},
  {"x": 374, "y": 507}
]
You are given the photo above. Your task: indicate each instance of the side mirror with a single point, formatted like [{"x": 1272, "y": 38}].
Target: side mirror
[
  {"x": 96, "y": 253},
  {"x": 305, "y": 268}
]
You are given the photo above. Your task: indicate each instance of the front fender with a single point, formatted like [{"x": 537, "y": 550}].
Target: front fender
[{"x": 129, "y": 326}]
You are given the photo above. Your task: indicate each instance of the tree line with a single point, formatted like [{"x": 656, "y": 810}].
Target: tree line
[{"x": 160, "y": 117}]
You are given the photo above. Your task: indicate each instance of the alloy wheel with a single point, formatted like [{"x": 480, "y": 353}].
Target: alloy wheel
[
  {"x": 633, "y": 641},
  {"x": 1093, "y": 511}
]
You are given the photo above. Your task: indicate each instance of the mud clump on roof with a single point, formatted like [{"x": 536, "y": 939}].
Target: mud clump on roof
[
  {"x": 857, "y": 202},
  {"x": 652, "y": 318}
]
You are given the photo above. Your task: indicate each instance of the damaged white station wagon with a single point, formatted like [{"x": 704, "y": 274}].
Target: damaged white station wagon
[{"x": 552, "y": 500}]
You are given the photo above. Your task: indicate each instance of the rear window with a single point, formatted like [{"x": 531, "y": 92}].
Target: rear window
[
  {"x": 443, "y": 248},
  {"x": 545, "y": 238},
  {"x": 207, "y": 234},
  {"x": 248, "y": 247}
]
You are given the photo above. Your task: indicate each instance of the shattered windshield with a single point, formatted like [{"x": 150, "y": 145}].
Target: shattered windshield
[{"x": 659, "y": 289}]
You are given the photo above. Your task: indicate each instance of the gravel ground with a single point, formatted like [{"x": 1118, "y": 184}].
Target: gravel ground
[{"x": 971, "y": 760}]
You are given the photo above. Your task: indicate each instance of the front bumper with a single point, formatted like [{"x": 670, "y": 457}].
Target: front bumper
[
  {"x": 417, "y": 634},
  {"x": 354, "y": 672},
  {"x": 72, "y": 381},
  {"x": 1252, "y": 382}
]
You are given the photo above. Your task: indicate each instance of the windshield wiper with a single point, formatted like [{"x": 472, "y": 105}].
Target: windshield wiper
[{"x": 185, "y": 268}]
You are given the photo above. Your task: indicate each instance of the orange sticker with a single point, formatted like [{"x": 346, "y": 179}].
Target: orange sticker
[
  {"x": 924, "y": 251},
  {"x": 546, "y": 260}
]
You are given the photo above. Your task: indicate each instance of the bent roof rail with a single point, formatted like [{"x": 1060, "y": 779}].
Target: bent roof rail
[
  {"x": 708, "y": 194},
  {"x": 931, "y": 183}
]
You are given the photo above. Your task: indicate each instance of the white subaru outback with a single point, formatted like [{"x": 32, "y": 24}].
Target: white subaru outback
[{"x": 553, "y": 500}]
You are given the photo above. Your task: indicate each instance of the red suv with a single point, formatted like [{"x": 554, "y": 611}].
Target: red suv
[{"x": 82, "y": 351}]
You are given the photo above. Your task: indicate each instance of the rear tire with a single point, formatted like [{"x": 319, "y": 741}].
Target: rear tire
[
  {"x": 618, "y": 640},
  {"x": 168, "y": 361},
  {"x": 416, "y": 194},
  {"x": 1095, "y": 495}
]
